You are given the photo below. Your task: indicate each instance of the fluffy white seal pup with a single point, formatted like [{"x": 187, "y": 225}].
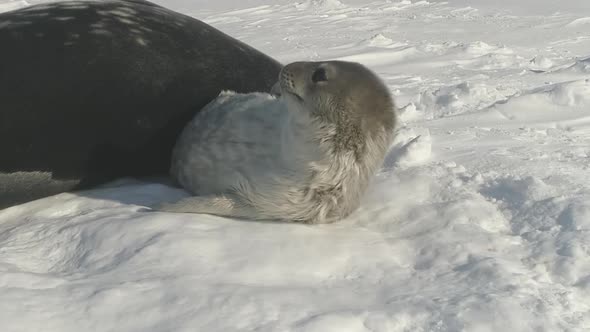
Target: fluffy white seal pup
[{"x": 305, "y": 156}]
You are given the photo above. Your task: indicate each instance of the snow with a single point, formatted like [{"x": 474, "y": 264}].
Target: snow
[{"x": 479, "y": 220}]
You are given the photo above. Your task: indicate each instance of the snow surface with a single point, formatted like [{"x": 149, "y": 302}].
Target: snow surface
[{"x": 479, "y": 221}]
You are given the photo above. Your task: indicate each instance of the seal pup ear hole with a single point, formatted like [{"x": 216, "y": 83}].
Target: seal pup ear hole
[{"x": 319, "y": 75}]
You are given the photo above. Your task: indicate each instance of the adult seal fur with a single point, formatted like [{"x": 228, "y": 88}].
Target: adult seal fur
[
  {"x": 306, "y": 156},
  {"x": 95, "y": 90}
]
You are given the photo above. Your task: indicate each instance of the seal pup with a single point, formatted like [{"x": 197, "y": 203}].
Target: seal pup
[
  {"x": 91, "y": 91},
  {"x": 305, "y": 156}
]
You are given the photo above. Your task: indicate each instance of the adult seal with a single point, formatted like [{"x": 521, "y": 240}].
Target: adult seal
[
  {"x": 306, "y": 156},
  {"x": 95, "y": 90}
]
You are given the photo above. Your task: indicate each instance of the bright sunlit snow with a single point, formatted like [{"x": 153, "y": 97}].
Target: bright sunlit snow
[{"x": 479, "y": 220}]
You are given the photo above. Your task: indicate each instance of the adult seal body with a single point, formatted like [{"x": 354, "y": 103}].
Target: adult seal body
[
  {"x": 306, "y": 156},
  {"x": 95, "y": 90}
]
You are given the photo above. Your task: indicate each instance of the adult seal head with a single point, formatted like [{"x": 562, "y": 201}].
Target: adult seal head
[
  {"x": 95, "y": 90},
  {"x": 306, "y": 156}
]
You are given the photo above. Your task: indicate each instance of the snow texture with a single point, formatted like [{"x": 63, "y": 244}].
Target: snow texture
[{"x": 478, "y": 221}]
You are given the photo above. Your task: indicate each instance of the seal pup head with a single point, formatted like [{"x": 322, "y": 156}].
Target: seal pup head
[
  {"x": 352, "y": 119},
  {"x": 344, "y": 96}
]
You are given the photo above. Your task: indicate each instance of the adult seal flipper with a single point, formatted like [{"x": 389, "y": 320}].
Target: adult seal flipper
[{"x": 95, "y": 90}]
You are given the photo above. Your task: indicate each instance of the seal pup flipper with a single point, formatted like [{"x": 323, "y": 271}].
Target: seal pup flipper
[{"x": 224, "y": 206}]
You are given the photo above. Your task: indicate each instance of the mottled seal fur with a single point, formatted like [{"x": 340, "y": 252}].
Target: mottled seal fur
[
  {"x": 305, "y": 156},
  {"x": 95, "y": 90}
]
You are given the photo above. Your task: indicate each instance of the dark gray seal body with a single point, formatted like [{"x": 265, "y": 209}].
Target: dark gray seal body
[
  {"x": 95, "y": 90},
  {"x": 307, "y": 156}
]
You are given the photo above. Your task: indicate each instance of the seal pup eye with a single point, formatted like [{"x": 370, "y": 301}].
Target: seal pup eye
[{"x": 319, "y": 75}]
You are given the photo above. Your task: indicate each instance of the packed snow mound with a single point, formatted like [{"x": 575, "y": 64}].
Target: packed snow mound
[
  {"x": 410, "y": 113},
  {"x": 565, "y": 96},
  {"x": 396, "y": 54},
  {"x": 575, "y": 93},
  {"x": 320, "y": 5},
  {"x": 583, "y": 21},
  {"x": 12, "y": 5},
  {"x": 477, "y": 48},
  {"x": 456, "y": 99},
  {"x": 411, "y": 147},
  {"x": 540, "y": 63},
  {"x": 379, "y": 40},
  {"x": 581, "y": 66}
]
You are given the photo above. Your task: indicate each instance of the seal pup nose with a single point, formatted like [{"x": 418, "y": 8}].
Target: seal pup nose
[{"x": 290, "y": 75}]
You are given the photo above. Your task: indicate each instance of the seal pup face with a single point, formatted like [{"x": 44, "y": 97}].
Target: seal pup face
[{"x": 345, "y": 95}]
